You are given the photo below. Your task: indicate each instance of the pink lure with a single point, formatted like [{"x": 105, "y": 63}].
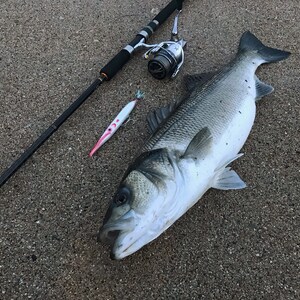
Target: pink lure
[{"x": 116, "y": 123}]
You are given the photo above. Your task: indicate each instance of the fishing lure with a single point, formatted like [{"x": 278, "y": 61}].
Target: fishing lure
[{"x": 117, "y": 122}]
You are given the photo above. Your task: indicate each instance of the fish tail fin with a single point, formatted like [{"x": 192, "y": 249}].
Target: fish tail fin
[{"x": 249, "y": 42}]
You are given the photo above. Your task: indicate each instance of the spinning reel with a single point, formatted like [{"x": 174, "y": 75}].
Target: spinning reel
[{"x": 166, "y": 58}]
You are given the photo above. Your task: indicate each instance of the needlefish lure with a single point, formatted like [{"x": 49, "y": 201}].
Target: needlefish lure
[{"x": 117, "y": 122}]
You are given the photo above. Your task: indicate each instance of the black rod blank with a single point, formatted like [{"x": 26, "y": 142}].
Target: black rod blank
[
  {"x": 106, "y": 73},
  {"x": 47, "y": 133}
]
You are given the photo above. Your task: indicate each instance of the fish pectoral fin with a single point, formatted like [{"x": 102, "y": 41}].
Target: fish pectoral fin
[
  {"x": 199, "y": 145},
  {"x": 228, "y": 180},
  {"x": 191, "y": 81},
  {"x": 262, "y": 89}
]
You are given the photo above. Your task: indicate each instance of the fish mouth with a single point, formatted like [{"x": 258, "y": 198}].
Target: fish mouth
[
  {"x": 110, "y": 231},
  {"x": 121, "y": 250},
  {"x": 128, "y": 243},
  {"x": 124, "y": 235},
  {"x": 107, "y": 236}
]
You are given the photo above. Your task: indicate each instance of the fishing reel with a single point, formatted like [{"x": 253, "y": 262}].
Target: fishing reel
[{"x": 166, "y": 58}]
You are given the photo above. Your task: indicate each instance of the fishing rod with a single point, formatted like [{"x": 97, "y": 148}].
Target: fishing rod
[{"x": 165, "y": 61}]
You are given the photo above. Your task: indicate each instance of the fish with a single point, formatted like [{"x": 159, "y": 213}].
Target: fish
[{"x": 192, "y": 143}]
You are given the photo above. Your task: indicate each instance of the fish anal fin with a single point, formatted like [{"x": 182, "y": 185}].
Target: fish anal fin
[{"x": 262, "y": 89}]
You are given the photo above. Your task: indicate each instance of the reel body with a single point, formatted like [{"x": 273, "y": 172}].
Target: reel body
[{"x": 166, "y": 59}]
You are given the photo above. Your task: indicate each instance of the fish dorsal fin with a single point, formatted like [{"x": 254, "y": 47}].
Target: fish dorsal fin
[
  {"x": 262, "y": 89},
  {"x": 191, "y": 81},
  {"x": 199, "y": 145},
  {"x": 159, "y": 115}
]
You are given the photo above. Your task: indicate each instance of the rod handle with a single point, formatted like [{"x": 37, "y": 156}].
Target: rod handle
[
  {"x": 115, "y": 64},
  {"x": 168, "y": 10}
]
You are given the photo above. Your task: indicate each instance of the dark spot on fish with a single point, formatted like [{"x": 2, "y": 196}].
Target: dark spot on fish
[
  {"x": 240, "y": 112},
  {"x": 226, "y": 143},
  {"x": 220, "y": 101},
  {"x": 253, "y": 63},
  {"x": 249, "y": 87},
  {"x": 246, "y": 80}
]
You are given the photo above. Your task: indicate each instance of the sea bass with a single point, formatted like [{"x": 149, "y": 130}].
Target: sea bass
[{"x": 191, "y": 145}]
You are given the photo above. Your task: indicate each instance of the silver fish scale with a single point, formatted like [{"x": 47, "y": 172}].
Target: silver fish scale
[{"x": 213, "y": 104}]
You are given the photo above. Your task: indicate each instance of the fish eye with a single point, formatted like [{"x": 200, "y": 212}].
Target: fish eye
[{"x": 122, "y": 196}]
